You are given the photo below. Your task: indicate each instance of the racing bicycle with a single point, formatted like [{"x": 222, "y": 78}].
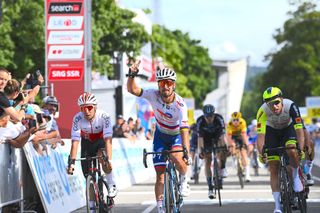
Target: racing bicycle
[
  {"x": 96, "y": 185},
  {"x": 172, "y": 201}
]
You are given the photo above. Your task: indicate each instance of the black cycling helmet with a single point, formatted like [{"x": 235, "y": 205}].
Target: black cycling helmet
[{"x": 208, "y": 110}]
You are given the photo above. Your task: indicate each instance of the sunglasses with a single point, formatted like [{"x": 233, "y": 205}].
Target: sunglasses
[
  {"x": 84, "y": 108},
  {"x": 235, "y": 120},
  {"x": 165, "y": 82},
  {"x": 274, "y": 103},
  {"x": 209, "y": 116}
]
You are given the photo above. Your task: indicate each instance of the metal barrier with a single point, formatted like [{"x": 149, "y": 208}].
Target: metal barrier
[{"x": 10, "y": 175}]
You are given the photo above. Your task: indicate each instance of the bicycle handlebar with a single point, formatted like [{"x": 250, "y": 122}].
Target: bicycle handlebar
[
  {"x": 280, "y": 149},
  {"x": 164, "y": 152}
]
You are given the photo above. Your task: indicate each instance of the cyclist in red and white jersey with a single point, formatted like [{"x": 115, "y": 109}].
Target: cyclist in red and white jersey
[
  {"x": 172, "y": 130},
  {"x": 93, "y": 128}
]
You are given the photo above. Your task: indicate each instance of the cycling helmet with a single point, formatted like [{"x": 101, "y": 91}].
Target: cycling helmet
[
  {"x": 166, "y": 74},
  {"x": 236, "y": 115},
  {"x": 254, "y": 122},
  {"x": 87, "y": 98},
  {"x": 271, "y": 93},
  {"x": 208, "y": 110},
  {"x": 50, "y": 100}
]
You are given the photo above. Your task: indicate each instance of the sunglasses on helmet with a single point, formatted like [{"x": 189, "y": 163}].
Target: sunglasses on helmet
[{"x": 162, "y": 83}]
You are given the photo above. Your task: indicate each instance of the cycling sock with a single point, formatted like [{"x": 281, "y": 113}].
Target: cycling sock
[
  {"x": 110, "y": 178},
  {"x": 209, "y": 182},
  {"x": 92, "y": 207},
  {"x": 247, "y": 170},
  {"x": 182, "y": 177},
  {"x": 276, "y": 197},
  {"x": 295, "y": 173},
  {"x": 159, "y": 206}
]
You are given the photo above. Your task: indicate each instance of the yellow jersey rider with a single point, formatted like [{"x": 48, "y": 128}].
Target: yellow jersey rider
[
  {"x": 279, "y": 124},
  {"x": 237, "y": 133}
]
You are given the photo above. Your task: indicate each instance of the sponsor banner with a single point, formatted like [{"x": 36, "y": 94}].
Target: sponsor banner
[
  {"x": 59, "y": 192},
  {"x": 65, "y": 37},
  {"x": 65, "y": 70},
  {"x": 314, "y": 112},
  {"x": 64, "y": 8},
  {"x": 65, "y": 52},
  {"x": 65, "y": 23}
]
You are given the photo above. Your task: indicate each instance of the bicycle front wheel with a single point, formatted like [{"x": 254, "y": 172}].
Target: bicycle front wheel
[
  {"x": 217, "y": 179},
  {"x": 240, "y": 171},
  {"x": 106, "y": 202},
  {"x": 285, "y": 194},
  {"x": 302, "y": 202},
  {"x": 168, "y": 198},
  {"x": 92, "y": 195}
]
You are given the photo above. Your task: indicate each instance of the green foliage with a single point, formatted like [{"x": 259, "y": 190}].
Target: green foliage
[
  {"x": 295, "y": 68},
  {"x": 188, "y": 58},
  {"x": 114, "y": 31}
]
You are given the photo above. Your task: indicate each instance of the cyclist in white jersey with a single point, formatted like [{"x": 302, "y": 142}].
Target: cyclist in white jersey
[
  {"x": 172, "y": 130},
  {"x": 94, "y": 128},
  {"x": 279, "y": 124}
]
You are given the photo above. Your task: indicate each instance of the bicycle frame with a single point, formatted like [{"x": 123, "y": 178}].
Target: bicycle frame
[{"x": 172, "y": 200}]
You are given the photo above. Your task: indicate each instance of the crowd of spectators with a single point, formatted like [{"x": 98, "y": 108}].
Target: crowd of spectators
[
  {"x": 21, "y": 118},
  {"x": 132, "y": 129}
]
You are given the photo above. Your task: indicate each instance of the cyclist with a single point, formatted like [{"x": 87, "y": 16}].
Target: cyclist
[
  {"x": 193, "y": 146},
  {"x": 172, "y": 129},
  {"x": 237, "y": 137},
  {"x": 253, "y": 136},
  {"x": 93, "y": 127},
  {"x": 211, "y": 129},
  {"x": 279, "y": 124},
  {"x": 308, "y": 161}
]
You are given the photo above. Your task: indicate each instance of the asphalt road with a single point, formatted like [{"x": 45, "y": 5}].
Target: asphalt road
[{"x": 255, "y": 197}]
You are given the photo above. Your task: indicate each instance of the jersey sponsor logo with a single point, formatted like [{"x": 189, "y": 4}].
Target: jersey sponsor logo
[
  {"x": 165, "y": 115},
  {"x": 180, "y": 104},
  {"x": 258, "y": 125},
  {"x": 298, "y": 120}
]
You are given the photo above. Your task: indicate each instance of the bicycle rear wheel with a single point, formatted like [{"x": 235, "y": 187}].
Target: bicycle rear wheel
[
  {"x": 285, "y": 193},
  {"x": 92, "y": 194},
  {"x": 217, "y": 180}
]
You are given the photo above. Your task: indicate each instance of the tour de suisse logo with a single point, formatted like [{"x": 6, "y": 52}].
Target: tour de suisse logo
[{"x": 65, "y": 8}]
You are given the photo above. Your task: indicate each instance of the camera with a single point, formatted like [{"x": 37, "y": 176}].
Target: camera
[{"x": 32, "y": 81}]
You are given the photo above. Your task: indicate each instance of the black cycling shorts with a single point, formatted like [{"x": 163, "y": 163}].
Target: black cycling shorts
[
  {"x": 239, "y": 142},
  {"x": 89, "y": 149},
  {"x": 279, "y": 137},
  {"x": 208, "y": 144}
]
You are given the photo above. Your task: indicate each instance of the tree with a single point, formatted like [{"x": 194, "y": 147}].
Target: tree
[
  {"x": 188, "y": 58},
  {"x": 295, "y": 68}
]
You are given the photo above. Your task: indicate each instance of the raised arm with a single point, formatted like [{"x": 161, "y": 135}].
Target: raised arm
[{"x": 132, "y": 87}]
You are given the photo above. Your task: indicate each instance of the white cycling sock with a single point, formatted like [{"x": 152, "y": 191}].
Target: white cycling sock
[
  {"x": 159, "y": 206},
  {"x": 276, "y": 197},
  {"x": 295, "y": 173},
  {"x": 91, "y": 204},
  {"x": 110, "y": 178},
  {"x": 247, "y": 171},
  {"x": 182, "y": 177}
]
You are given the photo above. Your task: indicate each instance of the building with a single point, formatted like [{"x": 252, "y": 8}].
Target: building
[{"x": 231, "y": 76}]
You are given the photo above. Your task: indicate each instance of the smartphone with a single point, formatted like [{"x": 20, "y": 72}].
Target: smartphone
[
  {"x": 39, "y": 118},
  {"x": 32, "y": 123}
]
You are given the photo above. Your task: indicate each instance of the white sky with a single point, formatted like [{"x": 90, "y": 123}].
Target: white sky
[{"x": 229, "y": 28}]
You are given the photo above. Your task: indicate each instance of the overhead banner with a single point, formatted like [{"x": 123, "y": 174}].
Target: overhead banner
[{"x": 59, "y": 192}]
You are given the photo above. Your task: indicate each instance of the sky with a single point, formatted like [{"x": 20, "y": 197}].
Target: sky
[{"x": 230, "y": 29}]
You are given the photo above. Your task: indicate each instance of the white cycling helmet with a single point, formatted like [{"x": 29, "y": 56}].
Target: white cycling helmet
[
  {"x": 254, "y": 122},
  {"x": 166, "y": 74},
  {"x": 87, "y": 98}
]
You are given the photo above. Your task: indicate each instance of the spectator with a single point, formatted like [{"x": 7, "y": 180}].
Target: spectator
[
  {"x": 127, "y": 133},
  {"x": 137, "y": 126},
  {"x": 15, "y": 134},
  {"x": 117, "y": 130},
  {"x": 131, "y": 125},
  {"x": 150, "y": 132},
  {"x": 11, "y": 92},
  {"x": 5, "y": 76},
  {"x": 141, "y": 133}
]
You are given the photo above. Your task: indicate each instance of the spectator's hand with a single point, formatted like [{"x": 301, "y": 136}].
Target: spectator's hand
[{"x": 40, "y": 79}]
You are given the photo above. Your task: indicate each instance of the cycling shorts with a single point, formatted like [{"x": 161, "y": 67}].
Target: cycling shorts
[
  {"x": 253, "y": 140},
  {"x": 239, "y": 142},
  {"x": 163, "y": 142},
  {"x": 89, "y": 149},
  {"x": 279, "y": 137},
  {"x": 208, "y": 144}
]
